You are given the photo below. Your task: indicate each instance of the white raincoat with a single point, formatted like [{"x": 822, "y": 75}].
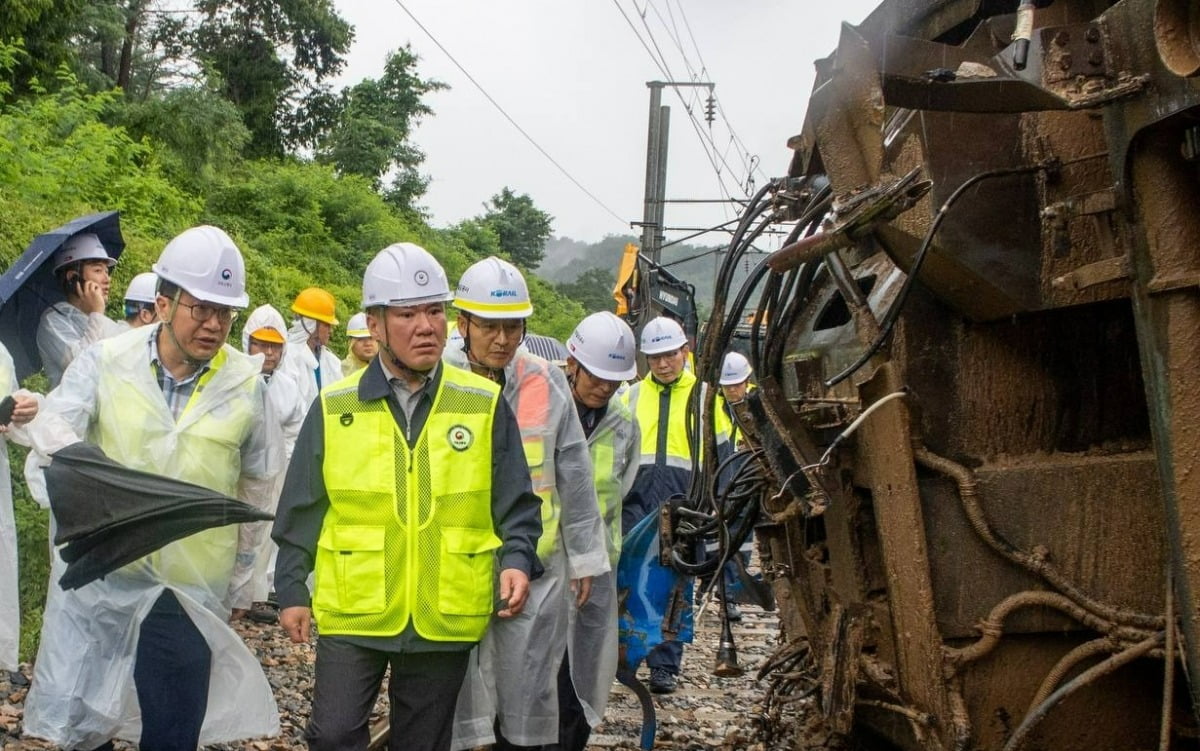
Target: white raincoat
[
  {"x": 10, "y": 607},
  {"x": 515, "y": 675},
  {"x": 592, "y": 639},
  {"x": 301, "y": 363},
  {"x": 64, "y": 331},
  {"x": 284, "y": 395},
  {"x": 83, "y": 691}
]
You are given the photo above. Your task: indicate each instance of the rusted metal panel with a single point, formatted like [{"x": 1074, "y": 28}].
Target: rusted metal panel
[{"x": 1096, "y": 517}]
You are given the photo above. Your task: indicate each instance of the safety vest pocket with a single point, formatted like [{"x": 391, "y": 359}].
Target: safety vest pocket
[
  {"x": 352, "y": 559},
  {"x": 466, "y": 565}
]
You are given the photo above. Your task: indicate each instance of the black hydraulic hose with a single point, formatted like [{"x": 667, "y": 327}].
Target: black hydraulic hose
[{"x": 893, "y": 313}]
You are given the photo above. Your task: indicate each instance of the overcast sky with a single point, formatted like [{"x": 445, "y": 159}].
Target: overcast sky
[{"x": 573, "y": 74}]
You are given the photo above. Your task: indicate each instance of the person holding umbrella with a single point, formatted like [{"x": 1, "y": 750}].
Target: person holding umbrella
[
  {"x": 146, "y": 653},
  {"x": 81, "y": 268}
]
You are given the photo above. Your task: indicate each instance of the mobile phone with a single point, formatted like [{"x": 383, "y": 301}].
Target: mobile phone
[
  {"x": 501, "y": 602},
  {"x": 7, "y": 405}
]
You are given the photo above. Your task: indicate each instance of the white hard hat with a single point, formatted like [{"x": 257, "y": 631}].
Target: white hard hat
[
  {"x": 204, "y": 261},
  {"x": 736, "y": 369},
  {"x": 264, "y": 323},
  {"x": 404, "y": 274},
  {"x": 493, "y": 288},
  {"x": 143, "y": 288},
  {"x": 661, "y": 335},
  {"x": 84, "y": 247},
  {"x": 604, "y": 345},
  {"x": 356, "y": 327}
]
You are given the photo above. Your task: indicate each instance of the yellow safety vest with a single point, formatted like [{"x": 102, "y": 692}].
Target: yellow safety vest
[
  {"x": 608, "y": 469},
  {"x": 531, "y": 405},
  {"x": 134, "y": 427},
  {"x": 409, "y": 533},
  {"x": 643, "y": 400}
]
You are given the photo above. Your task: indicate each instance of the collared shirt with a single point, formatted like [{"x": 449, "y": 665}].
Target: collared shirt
[
  {"x": 177, "y": 392},
  {"x": 304, "y": 501},
  {"x": 414, "y": 405},
  {"x": 590, "y": 417}
]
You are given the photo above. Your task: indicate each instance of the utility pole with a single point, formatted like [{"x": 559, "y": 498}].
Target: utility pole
[{"x": 656, "y": 166}]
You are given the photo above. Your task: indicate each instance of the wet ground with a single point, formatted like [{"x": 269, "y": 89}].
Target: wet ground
[{"x": 706, "y": 712}]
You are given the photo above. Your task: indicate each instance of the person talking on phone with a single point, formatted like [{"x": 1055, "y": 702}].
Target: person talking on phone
[{"x": 81, "y": 267}]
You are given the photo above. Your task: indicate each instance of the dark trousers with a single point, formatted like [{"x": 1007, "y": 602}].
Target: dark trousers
[
  {"x": 171, "y": 672},
  {"x": 422, "y": 693},
  {"x": 573, "y": 728},
  {"x": 668, "y": 655}
]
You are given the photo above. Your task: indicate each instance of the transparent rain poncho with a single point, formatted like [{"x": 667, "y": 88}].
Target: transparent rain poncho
[
  {"x": 83, "y": 691},
  {"x": 513, "y": 673}
]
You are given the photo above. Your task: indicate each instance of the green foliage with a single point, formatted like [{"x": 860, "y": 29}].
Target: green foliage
[
  {"x": 522, "y": 227},
  {"x": 45, "y": 28},
  {"x": 202, "y": 132},
  {"x": 376, "y": 118},
  {"x": 33, "y": 554},
  {"x": 171, "y": 163},
  {"x": 592, "y": 289},
  {"x": 271, "y": 56}
]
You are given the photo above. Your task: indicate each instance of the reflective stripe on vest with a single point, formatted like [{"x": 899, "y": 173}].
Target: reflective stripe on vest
[
  {"x": 663, "y": 421},
  {"x": 532, "y": 409},
  {"x": 617, "y": 423},
  {"x": 409, "y": 532}
]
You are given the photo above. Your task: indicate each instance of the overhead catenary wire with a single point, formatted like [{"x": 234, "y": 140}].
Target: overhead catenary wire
[
  {"x": 507, "y": 116},
  {"x": 665, "y": 70}
]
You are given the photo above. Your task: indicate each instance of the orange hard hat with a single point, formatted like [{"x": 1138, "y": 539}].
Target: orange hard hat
[
  {"x": 267, "y": 334},
  {"x": 317, "y": 304}
]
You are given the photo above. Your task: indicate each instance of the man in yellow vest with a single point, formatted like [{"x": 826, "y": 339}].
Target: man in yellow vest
[
  {"x": 602, "y": 355},
  {"x": 512, "y": 699},
  {"x": 145, "y": 654},
  {"x": 362, "y": 346},
  {"x": 659, "y": 403},
  {"x": 406, "y": 491}
]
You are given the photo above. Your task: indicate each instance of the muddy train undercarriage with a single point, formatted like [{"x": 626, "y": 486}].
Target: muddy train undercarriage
[{"x": 978, "y": 418}]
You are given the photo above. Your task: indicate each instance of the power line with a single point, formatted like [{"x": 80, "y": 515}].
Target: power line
[
  {"x": 508, "y": 117},
  {"x": 663, "y": 69},
  {"x": 753, "y": 162}
]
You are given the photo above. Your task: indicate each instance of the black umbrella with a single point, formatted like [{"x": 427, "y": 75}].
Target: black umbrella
[
  {"x": 109, "y": 515},
  {"x": 28, "y": 286},
  {"x": 546, "y": 347}
]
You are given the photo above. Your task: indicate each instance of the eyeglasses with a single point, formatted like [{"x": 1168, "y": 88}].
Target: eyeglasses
[
  {"x": 201, "y": 312},
  {"x": 489, "y": 327},
  {"x": 601, "y": 382}
]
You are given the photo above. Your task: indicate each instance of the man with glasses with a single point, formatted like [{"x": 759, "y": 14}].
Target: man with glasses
[
  {"x": 659, "y": 403},
  {"x": 519, "y": 659},
  {"x": 602, "y": 355},
  {"x": 146, "y": 654}
]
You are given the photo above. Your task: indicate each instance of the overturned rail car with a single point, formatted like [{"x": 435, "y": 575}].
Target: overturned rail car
[{"x": 979, "y": 369}]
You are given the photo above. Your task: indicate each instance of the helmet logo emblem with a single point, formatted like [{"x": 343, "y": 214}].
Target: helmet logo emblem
[
  {"x": 226, "y": 274},
  {"x": 460, "y": 437},
  {"x": 421, "y": 278},
  {"x": 504, "y": 293}
]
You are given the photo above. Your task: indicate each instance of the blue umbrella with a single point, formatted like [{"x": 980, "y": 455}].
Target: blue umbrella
[{"x": 28, "y": 286}]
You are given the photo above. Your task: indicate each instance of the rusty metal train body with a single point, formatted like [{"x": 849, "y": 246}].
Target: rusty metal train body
[{"x": 985, "y": 557}]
